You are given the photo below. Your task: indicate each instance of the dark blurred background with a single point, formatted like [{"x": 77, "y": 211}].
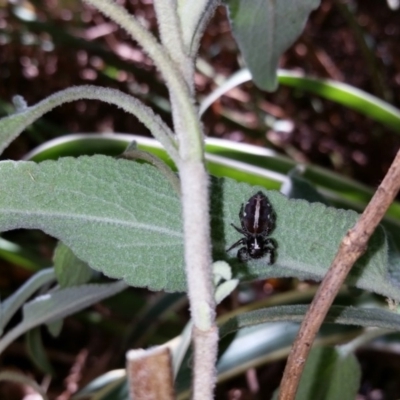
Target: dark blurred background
[{"x": 46, "y": 46}]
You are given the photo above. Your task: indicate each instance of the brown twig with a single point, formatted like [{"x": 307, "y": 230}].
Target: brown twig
[
  {"x": 74, "y": 376},
  {"x": 351, "y": 248},
  {"x": 149, "y": 374}
]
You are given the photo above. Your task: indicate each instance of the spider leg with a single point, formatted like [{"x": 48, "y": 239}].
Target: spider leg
[
  {"x": 238, "y": 243},
  {"x": 239, "y": 230},
  {"x": 243, "y": 254},
  {"x": 270, "y": 244},
  {"x": 241, "y": 211},
  {"x": 270, "y": 250}
]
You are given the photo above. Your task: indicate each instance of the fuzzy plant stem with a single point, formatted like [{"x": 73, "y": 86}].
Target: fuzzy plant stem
[
  {"x": 17, "y": 122},
  {"x": 171, "y": 37},
  {"x": 178, "y": 88},
  {"x": 194, "y": 187},
  {"x": 195, "y": 209}
]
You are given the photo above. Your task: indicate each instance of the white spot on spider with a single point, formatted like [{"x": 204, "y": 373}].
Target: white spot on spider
[{"x": 257, "y": 212}]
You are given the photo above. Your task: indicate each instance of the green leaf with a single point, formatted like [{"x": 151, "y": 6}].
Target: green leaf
[
  {"x": 112, "y": 385},
  {"x": 329, "y": 375},
  {"x": 56, "y": 305},
  {"x": 12, "y": 125},
  {"x": 124, "y": 219},
  {"x": 15, "y": 254},
  {"x": 55, "y": 327},
  {"x": 339, "y": 92},
  {"x": 296, "y": 187},
  {"x": 11, "y": 305},
  {"x": 37, "y": 352},
  {"x": 349, "y": 96},
  {"x": 308, "y": 236},
  {"x": 256, "y": 165},
  {"x": 69, "y": 269},
  {"x": 259, "y": 345},
  {"x": 264, "y": 30},
  {"x": 366, "y": 317},
  {"x": 121, "y": 217},
  {"x": 61, "y": 303}
]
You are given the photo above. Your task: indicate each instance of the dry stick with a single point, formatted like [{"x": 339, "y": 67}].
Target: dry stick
[
  {"x": 149, "y": 374},
  {"x": 351, "y": 248}
]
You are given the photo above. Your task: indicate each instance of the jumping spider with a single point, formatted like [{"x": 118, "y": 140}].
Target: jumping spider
[{"x": 257, "y": 218}]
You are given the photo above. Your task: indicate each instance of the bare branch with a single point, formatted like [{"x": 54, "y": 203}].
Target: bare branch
[{"x": 351, "y": 248}]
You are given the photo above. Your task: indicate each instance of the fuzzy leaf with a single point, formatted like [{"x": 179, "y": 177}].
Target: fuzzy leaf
[
  {"x": 264, "y": 30},
  {"x": 308, "y": 236},
  {"x": 124, "y": 219},
  {"x": 11, "y": 305},
  {"x": 58, "y": 304},
  {"x": 53, "y": 306},
  {"x": 119, "y": 216}
]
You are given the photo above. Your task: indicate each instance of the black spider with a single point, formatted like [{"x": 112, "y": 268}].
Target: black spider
[{"x": 257, "y": 218}]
